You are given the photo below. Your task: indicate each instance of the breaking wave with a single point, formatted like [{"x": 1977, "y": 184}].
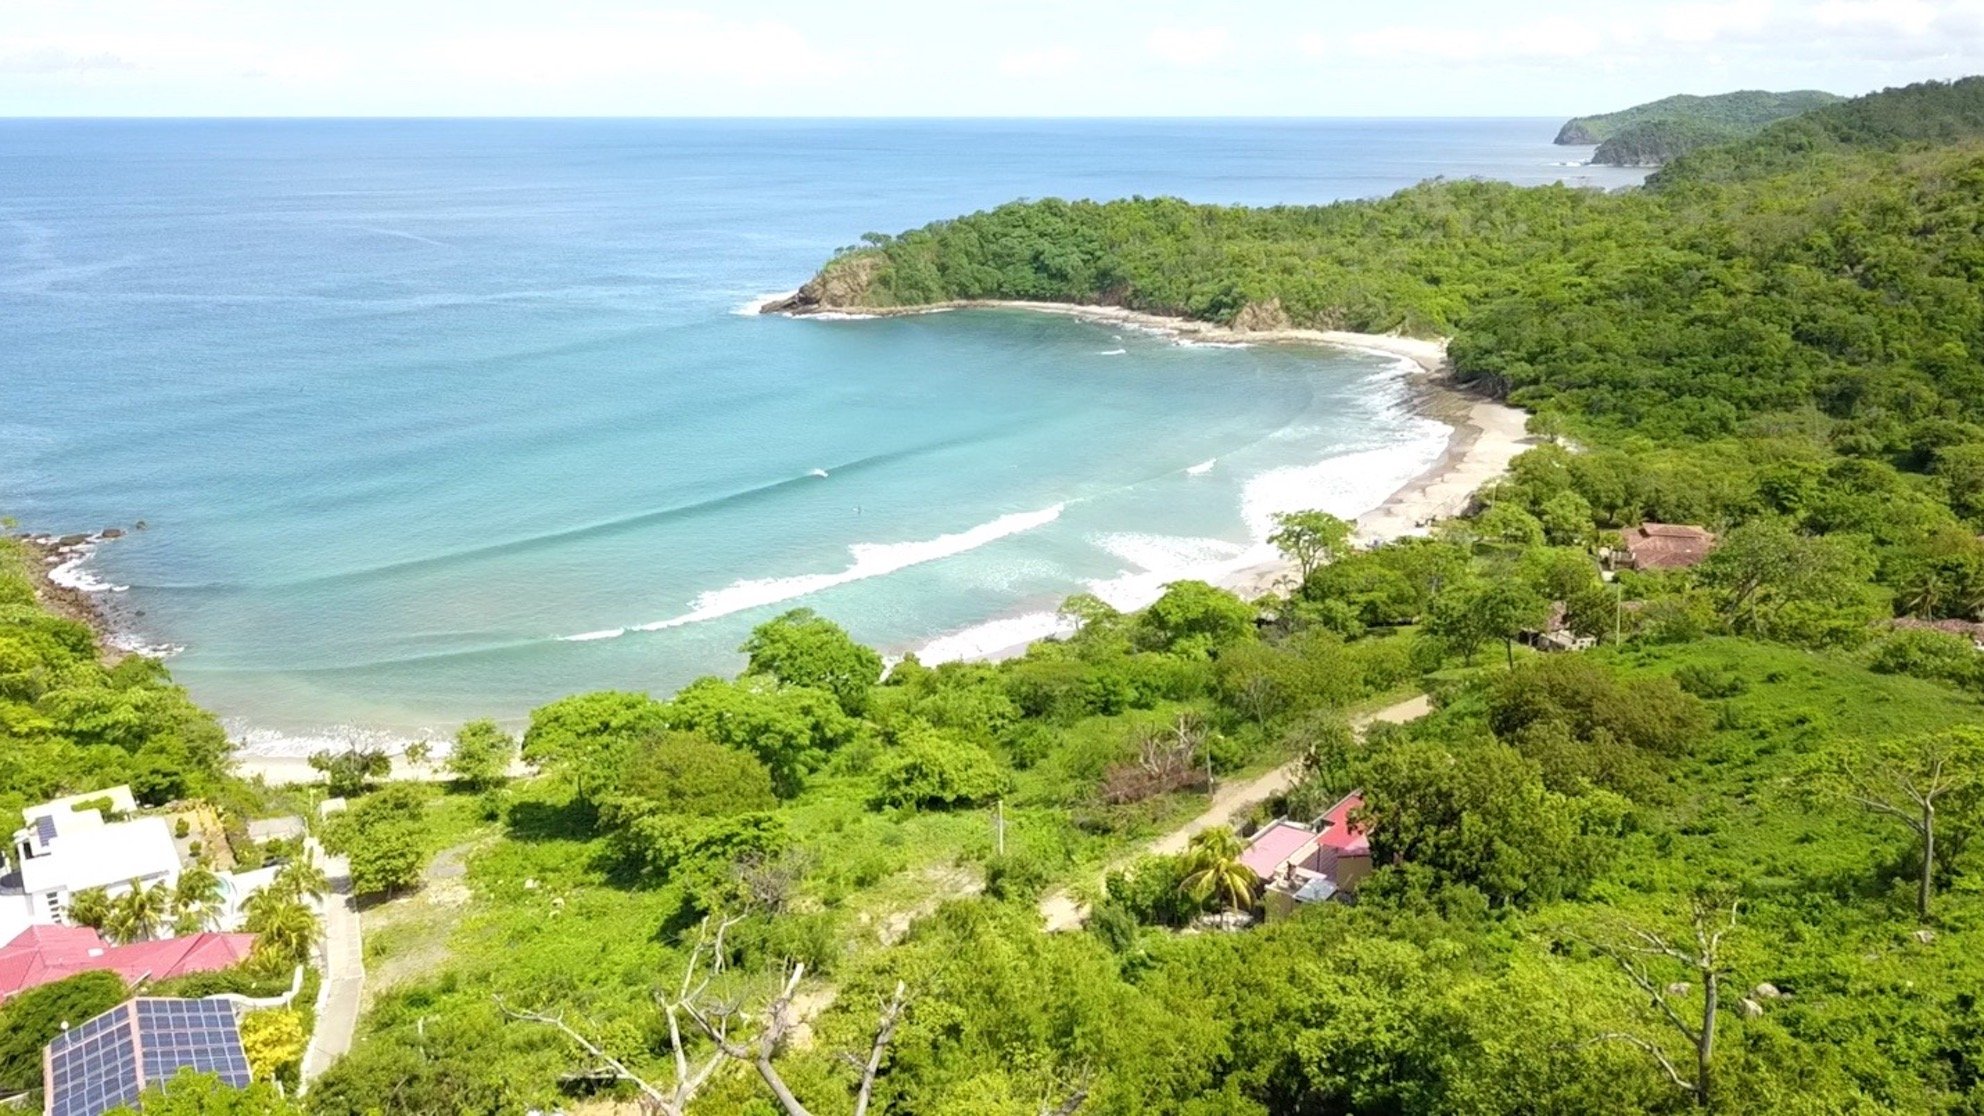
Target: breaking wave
[{"x": 869, "y": 560}]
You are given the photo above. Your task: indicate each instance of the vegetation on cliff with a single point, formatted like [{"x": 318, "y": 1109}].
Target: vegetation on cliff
[
  {"x": 69, "y": 723},
  {"x": 1722, "y": 116}
]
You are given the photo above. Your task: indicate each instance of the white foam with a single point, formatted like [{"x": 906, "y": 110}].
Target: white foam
[
  {"x": 1155, "y": 561},
  {"x": 1346, "y": 486},
  {"x": 818, "y": 473},
  {"x": 588, "y": 637},
  {"x": 757, "y": 305},
  {"x": 1189, "y": 343},
  {"x": 71, "y": 574},
  {"x": 1112, "y": 352},
  {"x": 131, "y": 644},
  {"x": 869, "y": 560},
  {"x": 336, "y": 738},
  {"x": 846, "y": 316},
  {"x": 983, "y": 640},
  {"x": 1202, "y": 468}
]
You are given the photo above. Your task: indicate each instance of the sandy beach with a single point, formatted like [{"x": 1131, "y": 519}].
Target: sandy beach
[
  {"x": 280, "y": 771},
  {"x": 1486, "y": 437}
]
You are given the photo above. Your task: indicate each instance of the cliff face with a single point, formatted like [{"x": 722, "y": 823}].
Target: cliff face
[{"x": 843, "y": 284}]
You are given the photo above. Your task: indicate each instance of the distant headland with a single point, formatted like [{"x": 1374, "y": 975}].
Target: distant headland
[{"x": 1658, "y": 132}]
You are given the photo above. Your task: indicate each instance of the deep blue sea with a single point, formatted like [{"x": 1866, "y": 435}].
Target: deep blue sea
[{"x": 431, "y": 420}]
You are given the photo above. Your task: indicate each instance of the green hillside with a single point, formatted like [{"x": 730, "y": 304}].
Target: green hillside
[{"x": 1727, "y": 114}]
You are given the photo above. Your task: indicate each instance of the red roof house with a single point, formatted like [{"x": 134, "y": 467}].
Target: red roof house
[
  {"x": 1666, "y": 546},
  {"x": 42, "y": 954},
  {"x": 1299, "y": 864}
]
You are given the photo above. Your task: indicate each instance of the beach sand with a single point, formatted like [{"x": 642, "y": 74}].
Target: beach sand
[
  {"x": 282, "y": 771},
  {"x": 1487, "y": 435}
]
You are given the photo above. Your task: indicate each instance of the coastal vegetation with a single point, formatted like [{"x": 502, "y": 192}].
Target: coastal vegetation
[
  {"x": 1658, "y": 131},
  {"x": 1721, "y": 861}
]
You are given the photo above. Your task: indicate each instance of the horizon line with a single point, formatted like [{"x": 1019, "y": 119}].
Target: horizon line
[{"x": 685, "y": 117}]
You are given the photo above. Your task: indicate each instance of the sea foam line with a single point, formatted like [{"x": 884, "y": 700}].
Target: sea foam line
[
  {"x": 869, "y": 560},
  {"x": 70, "y": 574},
  {"x": 757, "y": 305}
]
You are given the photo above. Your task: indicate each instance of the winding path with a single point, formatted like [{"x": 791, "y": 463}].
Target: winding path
[{"x": 1064, "y": 912}]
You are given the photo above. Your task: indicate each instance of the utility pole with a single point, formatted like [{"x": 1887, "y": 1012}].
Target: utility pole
[
  {"x": 999, "y": 825},
  {"x": 1618, "y": 614}
]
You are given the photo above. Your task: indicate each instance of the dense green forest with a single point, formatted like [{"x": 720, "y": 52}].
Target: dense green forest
[
  {"x": 1691, "y": 869},
  {"x": 1694, "y": 120},
  {"x": 1745, "y": 108}
]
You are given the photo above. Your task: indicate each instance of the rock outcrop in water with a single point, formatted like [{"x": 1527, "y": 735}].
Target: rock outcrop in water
[{"x": 843, "y": 284}]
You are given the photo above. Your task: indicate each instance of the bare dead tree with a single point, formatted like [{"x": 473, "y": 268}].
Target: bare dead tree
[
  {"x": 1700, "y": 955},
  {"x": 716, "y": 1020},
  {"x": 769, "y": 880},
  {"x": 1911, "y": 781},
  {"x": 884, "y": 1031},
  {"x": 689, "y": 1079},
  {"x": 1076, "y": 1096},
  {"x": 1167, "y": 760}
]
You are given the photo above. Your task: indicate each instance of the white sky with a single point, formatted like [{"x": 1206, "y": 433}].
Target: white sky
[{"x": 932, "y": 58}]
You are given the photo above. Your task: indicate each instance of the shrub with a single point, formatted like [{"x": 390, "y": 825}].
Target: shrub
[
  {"x": 931, "y": 769},
  {"x": 1654, "y": 714},
  {"x": 37, "y": 1015},
  {"x": 1017, "y": 877}
]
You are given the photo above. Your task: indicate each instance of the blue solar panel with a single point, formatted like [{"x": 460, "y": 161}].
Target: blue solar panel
[
  {"x": 113, "y": 1058},
  {"x": 196, "y": 1034},
  {"x": 94, "y": 1068},
  {"x": 44, "y": 827}
]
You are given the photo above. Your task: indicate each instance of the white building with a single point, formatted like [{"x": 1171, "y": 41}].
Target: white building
[{"x": 68, "y": 847}]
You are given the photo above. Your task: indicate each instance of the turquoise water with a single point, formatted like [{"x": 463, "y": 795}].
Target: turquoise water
[{"x": 434, "y": 420}]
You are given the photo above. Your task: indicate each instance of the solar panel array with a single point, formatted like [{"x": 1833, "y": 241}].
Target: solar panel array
[
  {"x": 44, "y": 828},
  {"x": 94, "y": 1068},
  {"x": 197, "y": 1034},
  {"x": 111, "y": 1059}
]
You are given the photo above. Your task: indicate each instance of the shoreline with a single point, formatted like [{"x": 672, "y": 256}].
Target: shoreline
[
  {"x": 47, "y": 558},
  {"x": 1485, "y": 435}
]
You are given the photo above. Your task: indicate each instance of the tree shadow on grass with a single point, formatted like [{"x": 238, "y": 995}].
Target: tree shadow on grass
[{"x": 570, "y": 820}]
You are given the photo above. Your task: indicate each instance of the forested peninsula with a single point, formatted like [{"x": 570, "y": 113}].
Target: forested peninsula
[
  {"x": 1660, "y": 131},
  {"x": 1715, "y": 854}
]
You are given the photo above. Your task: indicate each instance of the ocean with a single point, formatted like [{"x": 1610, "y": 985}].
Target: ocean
[{"x": 435, "y": 420}]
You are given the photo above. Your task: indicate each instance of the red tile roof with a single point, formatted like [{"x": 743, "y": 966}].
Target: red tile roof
[
  {"x": 1339, "y": 834},
  {"x": 41, "y": 954},
  {"x": 1668, "y": 546}
]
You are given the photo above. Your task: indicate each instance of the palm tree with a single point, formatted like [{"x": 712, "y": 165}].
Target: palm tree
[
  {"x": 139, "y": 914},
  {"x": 1213, "y": 870},
  {"x": 284, "y": 926},
  {"x": 302, "y": 878},
  {"x": 195, "y": 901},
  {"x": 90, "y": 907}
]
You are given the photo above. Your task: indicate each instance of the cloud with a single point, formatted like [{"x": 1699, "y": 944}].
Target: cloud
[
  {"x": 53, "y": 60},
  {"x": 1543, "y": 39},
  {"x": 168, "y": 55},
  {"x": 1045, "y": 60},
  {"x": 1183, "y": 46},
  {"x": 1681, "y": 33},
  {"x": 668, "y": 44}
]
